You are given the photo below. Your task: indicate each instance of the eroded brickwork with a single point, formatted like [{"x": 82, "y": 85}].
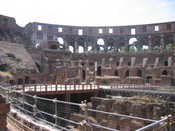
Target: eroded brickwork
[{"x": 4, "y": 109}]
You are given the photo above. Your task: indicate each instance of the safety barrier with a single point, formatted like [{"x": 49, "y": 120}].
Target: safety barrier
[{"x": 58, "y": 113}]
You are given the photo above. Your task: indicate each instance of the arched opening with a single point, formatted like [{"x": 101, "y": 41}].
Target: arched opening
[
  {"x": 99, "y": 73},
  {"x": 132, "y": 44},
  {"x": 27, "y": 80},
  {"x": 71, "y": 49},
  {"x": 83, "y": 75},
  {"x": 165, "y": 72},
  {"x": 37, "y": 45},
  {"x": 127, "y": 73},
  {"x": 139, "y": 73},
  {"x": 165, "y": 63},
  {"x": 129, "y": 63},
  {"x": 117, "y": 63},
  {"x": 145, "y": 47},
  {"x": 80, "y": 49},
  {"x": 60, "y": 40},
  {"x": 89, "y": 48},
  {"x": 148, "y": 79},
  {"x": 20, "y": 81},
  {"x": 101, "y": 48},
  {"x": 116, "y": 73},
  {"x": 38, "y": 67},
  {"x": 100, "y": 41}
]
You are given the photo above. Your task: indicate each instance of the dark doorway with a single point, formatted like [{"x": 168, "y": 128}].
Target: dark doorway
[
  {"x": 127, "y": 73},
  {"x": 27, "y": 80},
  {"x": 99, "y": 71},
  {"x": 148, "y": 79},
  {"x": 116, "y": 73},
  {"x": 139, "y": 73},
  {"x": 166, "y": 63},
  {"x": 83, "y": 75},
  {"x": 165, "y": 73}
]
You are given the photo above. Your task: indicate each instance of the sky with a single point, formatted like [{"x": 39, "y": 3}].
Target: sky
[{"x": 89, "y": 12}]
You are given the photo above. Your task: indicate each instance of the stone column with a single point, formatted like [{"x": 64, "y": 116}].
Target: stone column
[
  {"x": 66, "y": 45},
  {"x": 162, "y": 41},
  {"x": 4, "y": 109},
  {"x": 94, "y": 45},
  {"x": 126, "y": 41},
  {"x": 75, "y": 46},
  {"x": 85, "y": 47},
  {"x": 150, "y": 42}
]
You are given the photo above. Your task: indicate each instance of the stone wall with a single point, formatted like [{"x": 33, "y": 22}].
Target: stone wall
[
  {"x": 10, "y": 31},
  {"x": 4, "y": 109},
  {"x": 154, "y": 67},
  {"x": 144, "y": 107}
]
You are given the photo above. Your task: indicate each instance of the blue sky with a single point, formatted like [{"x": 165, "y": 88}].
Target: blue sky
[{"x": 89, "y": 12}]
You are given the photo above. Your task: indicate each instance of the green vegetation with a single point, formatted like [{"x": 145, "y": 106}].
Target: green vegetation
[{"x": 169, "y": 46}]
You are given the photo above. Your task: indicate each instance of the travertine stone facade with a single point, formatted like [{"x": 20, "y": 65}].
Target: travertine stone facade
[
  {"x": 104, "y": 39},
  {"x": 154, "y": 67}
]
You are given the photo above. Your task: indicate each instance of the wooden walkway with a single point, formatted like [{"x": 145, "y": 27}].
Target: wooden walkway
[{"x": 59, "y": 89}]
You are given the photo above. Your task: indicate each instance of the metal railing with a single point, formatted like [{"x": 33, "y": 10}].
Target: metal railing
[
  {"x": 56, "y": 87},
  {"x": 59, "y": 113},
  {"x": 143, "y": 86}
]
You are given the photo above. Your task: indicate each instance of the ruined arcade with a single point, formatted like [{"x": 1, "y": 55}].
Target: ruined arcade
[{"x": 82, "y": 78}]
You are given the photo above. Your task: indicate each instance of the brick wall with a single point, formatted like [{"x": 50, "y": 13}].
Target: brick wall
[{"x": 4, "y": 109}]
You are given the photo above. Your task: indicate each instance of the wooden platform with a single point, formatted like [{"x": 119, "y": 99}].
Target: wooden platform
[{"x": 59, "y": 89}]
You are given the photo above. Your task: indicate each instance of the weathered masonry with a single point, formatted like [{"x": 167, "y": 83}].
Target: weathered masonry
[{"x": 80, "y": 39}]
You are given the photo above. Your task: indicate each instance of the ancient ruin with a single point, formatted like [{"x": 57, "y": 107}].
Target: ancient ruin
[{"x": 72, "y": 76}]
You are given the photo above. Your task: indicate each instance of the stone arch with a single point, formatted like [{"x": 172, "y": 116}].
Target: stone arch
[
  {"x": 165, "y": 63},
  {"x": 80, "y": 49},
  {"x": 133, "y": 44},
  {"x": 116, "y": 73},
  {"x": 149, "y": 79},
  {"x": 60, "y": 40},
  {"x": 27, "y": 80},
  {"x": 38, "y": 66},
  {"x": 156, "y": 42},
  {"x": 127, "y": 73},
  {"x": 83, "y": 75},
  {"x": 89, "y": 48},
  {"x": 139, "y": 73},
  {"x": 99, "y": 71},
  {"x": 71, "y": 49},
  {"x": 165, "y": 72}
]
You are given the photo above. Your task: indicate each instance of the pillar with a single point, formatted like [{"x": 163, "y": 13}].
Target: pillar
[
  {"x": 150, "y": 42},
  {"x": 162, "y": 41},
  {"x": 75, "y": 46},
  {"x": 94, "y": 41},
  {"x": 4, "y": 109},
  {"x": 85, "y": 47},
  {"x": 66, "y": 45},
  {"x": 126, "y": 42}
]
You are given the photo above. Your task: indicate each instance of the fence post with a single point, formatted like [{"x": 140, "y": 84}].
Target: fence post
[
  {"x": 35, "y": 106},
  {"x": 56, "y": 111}
]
